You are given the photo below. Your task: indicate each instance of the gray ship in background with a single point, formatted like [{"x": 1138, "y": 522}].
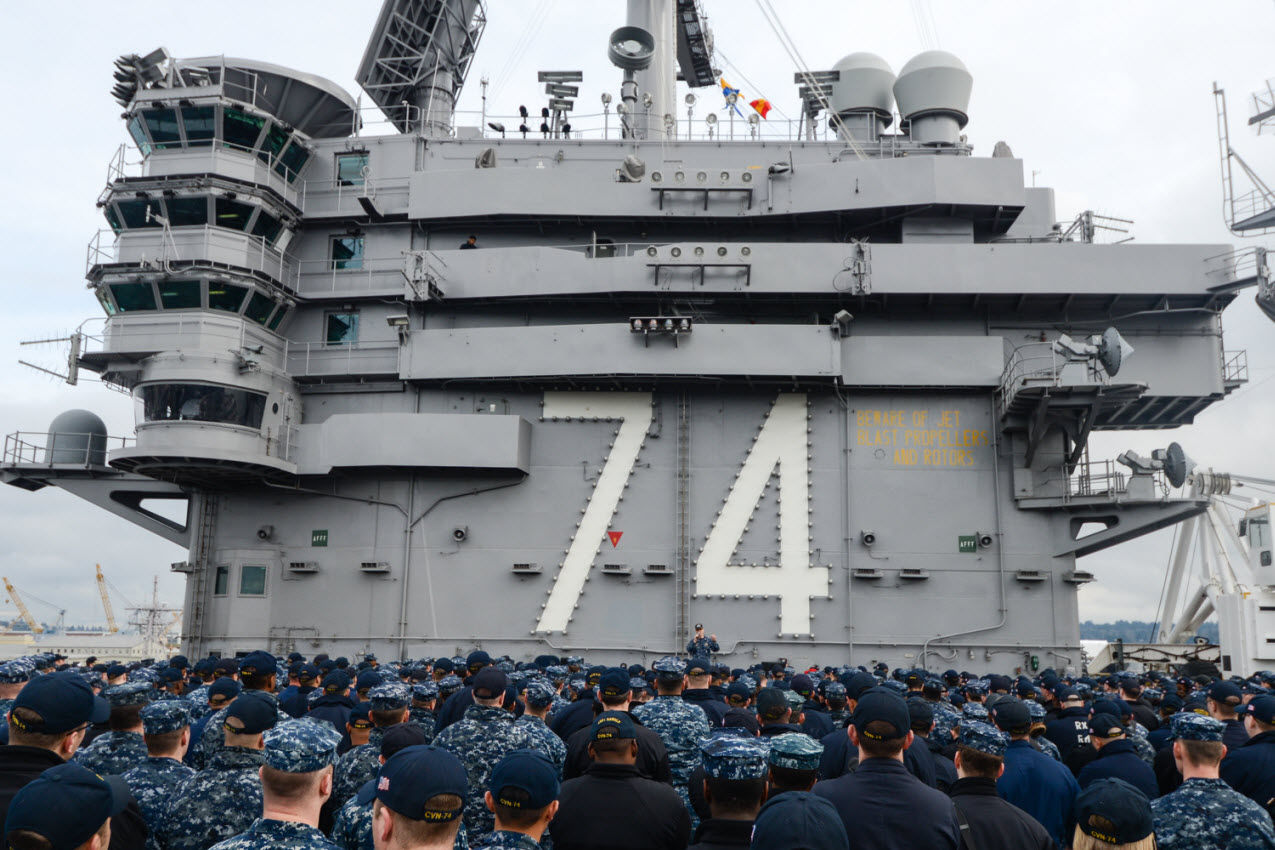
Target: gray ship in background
[{"x": 829, "y": 395}]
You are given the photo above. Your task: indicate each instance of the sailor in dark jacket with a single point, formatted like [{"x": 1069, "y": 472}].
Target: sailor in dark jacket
[
  {"x": 1043, "y": 788},
  {"x": 652, "y": 757},
  {"x": 987, "y": 822},
  {"x": 698, "y": 676},
  {"x": 612, "y": 804},
  {"x": 1070, "y": 728},
  {"x": 1251, "y": 768},
  {"x": 922, "y": 715},
  {"x": 1117, "y": 758},
  {"x": 335, "y": 705},
  {"x": 881, "y": 804}
]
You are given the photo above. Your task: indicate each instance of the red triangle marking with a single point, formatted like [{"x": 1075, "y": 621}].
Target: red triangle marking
[{"x": 615, "y": 537}]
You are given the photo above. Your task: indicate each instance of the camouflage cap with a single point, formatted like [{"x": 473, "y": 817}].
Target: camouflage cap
[
  {"x": 795, "y": 700},
  {"x": 389, "y": 697},
  {"x": 14, "y": 673},
  {"x": 974, "y": 711},
  {"x": 1036, "y": 710},
  {"x": 449, "y": 684},
  {"x": 1196, "y": 727},
  {"x": 539, "y": 693},
  {"x": 984, "y": 738},
  {"x": 733, "y": 757},
  {"x": 637, "y": 683},
  {"x": 159, "y": 718},
  {"x": 558, "y": 672},
  {"x": 425, "y": 691},
  {"x": 669, "y": 667},
  {"x": 796, "y": 751},
  {"x": 301, "y": 746},
  {"x": 130, "y": 693},
  {"x": 834, "y": 690},
  {"x": 574, "y": 661}
]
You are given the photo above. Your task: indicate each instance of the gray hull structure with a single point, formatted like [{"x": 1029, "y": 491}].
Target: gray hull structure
[{"x": 852, "y": 433}]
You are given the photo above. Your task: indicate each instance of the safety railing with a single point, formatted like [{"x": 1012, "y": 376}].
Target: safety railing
[
  {"x": 27, "y": 448},
  {"x": 159, "y": 246},
  {"x": 1096, "y": 478},
  {"x": 317, "y": 359},
  {"x": 366, "y": 274},
  {"x": 176, "y": 330},
  {"x": 1039, "y": 364},
  {"x": 328, "y": 197},
  {"x": 1235, "y": 366}
]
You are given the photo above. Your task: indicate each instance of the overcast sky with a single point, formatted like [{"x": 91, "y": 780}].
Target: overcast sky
[{"x": 1110, "y": 103}]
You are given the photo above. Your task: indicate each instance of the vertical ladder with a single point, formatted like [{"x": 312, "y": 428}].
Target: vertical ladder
[
  {"x": 192, "y": 641},
  {"x": 683, "y": 529}
]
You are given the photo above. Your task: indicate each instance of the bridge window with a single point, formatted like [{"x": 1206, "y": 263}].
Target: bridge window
[
  {"x": 187, "y": 212},
  {"x": 162, "y": 124},
  {"x": 139, "y": 135},
  {"x": 202, "y": 403},
  {"x": 259, "y": 308},
  {"x": 133, "y": 213},
  {"x": 347, "y": 252},
  {"x": 293, "y": 160},
  {"x": 252, "y": 580},
  {"x": 267, "y": 227},
  {"x": 201, "y": 125},
  {"x": 342, "y": 328},
  {"x": 276, "y": 138},
  {"x": 112, "y": 217},
  {"x": 226, "y": 296},
  {"x": 104, "y": 298},
  {"x": 130, "y": 297},
  {"x": 349, "y": 168},
  {"x": 240, "y": 129},
  {"x": 221, "y": 580},
  {"x": 278, "y": 318},
  {"x": 181, "y": 294},
  {"x": 233, "y": 214}
]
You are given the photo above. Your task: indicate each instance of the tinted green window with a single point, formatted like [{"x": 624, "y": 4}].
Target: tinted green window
[
  {"x": 133, "y": 296},
  {"x": 139, "y": 135},
  {"x": 343, "y": 328},
  {"x": 347, "y": 252},
  {"x": 239, "y": 129},
  {"x": 278, "y": 318},
  {"x": 112, "y": 217},
  {"x": 201, "y": 125},
  {"x": 105, "y": 300},
  {"x": 267, "y": 227},
  {"x": 221, "y": 581},
  {"x": 180, "y": 294},
  {"x": 276, "y": 138},
  {"x": 252, "y": 580},
  {"x": 233, "y": 214},
  {"x": 259, "y": 307},
  {"x": 133, "y": 213},
  {"x": 225, "y": 296},
  {"x": 293, "y": 160},
  {"x": 162, "y": 124},
  {"x": 187, "y": 212},
  {"x": 349, "y": 168},
  {"x": 202, "y": 403}
]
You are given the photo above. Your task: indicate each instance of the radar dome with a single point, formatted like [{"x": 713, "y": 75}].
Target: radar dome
[
  {"x": 933, "y": 92},
  {"x": 866, "y": 84},
  {"x": 77, "y": 436}
]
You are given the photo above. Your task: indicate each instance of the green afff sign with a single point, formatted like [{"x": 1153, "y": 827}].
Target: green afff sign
[
  {"x": 319, "y": 537},
  {"x": 967, "y": 543}
]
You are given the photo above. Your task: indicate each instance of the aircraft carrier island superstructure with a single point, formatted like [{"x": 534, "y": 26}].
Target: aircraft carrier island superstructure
[{"x": 829, "y": 395}]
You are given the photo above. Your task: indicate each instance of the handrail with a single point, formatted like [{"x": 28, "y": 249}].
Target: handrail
[
  {"x": 30, "y": 447},
  {"x": 171, "y": 242}
]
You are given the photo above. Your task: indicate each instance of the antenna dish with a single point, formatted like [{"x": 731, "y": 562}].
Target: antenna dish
[
  {"x": 631, "y": 49},
  {"x": 1111, "y": 351},
  {"x": 1177, "y": 466}
]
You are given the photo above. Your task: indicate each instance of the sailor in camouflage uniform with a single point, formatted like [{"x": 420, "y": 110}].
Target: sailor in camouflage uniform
[
  {"x": 294, "y": 747},
  {"x": 123, "y": 748},
  {"x": 1041, "y": 742},
  {"x": 732, "y": 758},
  {"x": 424, "y": 699},
  {"x": 198, "y": 696},
  {"x": 388, "y": 705},
  {"x": 702, "y": 646},
  {"x": 680, "y": 725},
  {"x": 154, "y": 780},
  {"x": 834, "y": 693},
  {"x": 538, "y": 698},
  {"x": 524, "y": 783},
  {"x": 1205, "y": 813},
  {"x": 480, "y": 740},
  {"x": 557, "y": 674},
  {"x": 13, "y": 675},
  {"x": 257, "y": 674},
  {"x": 223, "y": 799}
]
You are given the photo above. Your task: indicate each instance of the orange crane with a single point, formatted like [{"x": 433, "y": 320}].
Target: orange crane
[
  {"x": 36, "y": 628},
  {"x": 106, "y": 601}
]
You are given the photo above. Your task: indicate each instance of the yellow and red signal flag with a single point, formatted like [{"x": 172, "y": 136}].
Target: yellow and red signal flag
[{"x": 761, "y": 105}]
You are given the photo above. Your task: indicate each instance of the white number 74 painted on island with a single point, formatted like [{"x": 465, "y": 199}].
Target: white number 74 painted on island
[{"x": 781, "y": 442}]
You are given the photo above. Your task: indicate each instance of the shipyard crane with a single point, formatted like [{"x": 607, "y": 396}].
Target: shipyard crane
[
  {"x": 106, "y": 602},
  {"x": 35, "y": 627},
  {"x": 1230, "y": 560}
]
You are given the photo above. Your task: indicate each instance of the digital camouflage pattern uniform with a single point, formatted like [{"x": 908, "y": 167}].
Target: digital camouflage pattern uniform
[
  {"x": 480, "y": 740},
  {"x": 424, "y": 718},
  {"x": 543, "y": 738},
  {"x": 702, "y": 647},
  {"x": 153, "y": 783},
  {"x": 113, "y": 752},
  {"x": 681, "y": 726},
  {"x": 508, "y": 841},
  {"x": 214, "y": 737},
  {"x": 356, "y": 767},
  {"x": 219, "y": 802},
  {"x": 1207, "y": 814},
  {"x": 278, "y": 835}
]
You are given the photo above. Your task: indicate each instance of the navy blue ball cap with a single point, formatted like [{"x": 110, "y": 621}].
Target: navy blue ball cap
[
  {"x": 529, "y": 771},
  {"x": 399, "y": 737},
  {"x": 884, "y": 707},
  {"x": 615, "y": 682},
  {"x": 1114, "y": 812},
  {"x": 336, "y": 682},
  {"x": 771, "y": 704},
  {"x": 1012, "y": 715},
  {"x": 255, "y": 712},
  {"x": 410, "y": 778},
  {"x": 490, "y": 682},
  {"x": 1227, "y": 693},
  {"x": 477, "y": 660},
  {"x": 799, "y": 820},
  {"x": 859, "y": 683},
  {"x": 224, "y": 689},
  {"x": 613, "y": 725},
  {"x": 259, "y": 663},
  {"x": 367, "y": 680},
  {"x": 67, "y": 804},
  {"x": 63, "y": 701},
  {"x": 1105, "y": 726},
  {"x": 1262, "y": 709}
]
